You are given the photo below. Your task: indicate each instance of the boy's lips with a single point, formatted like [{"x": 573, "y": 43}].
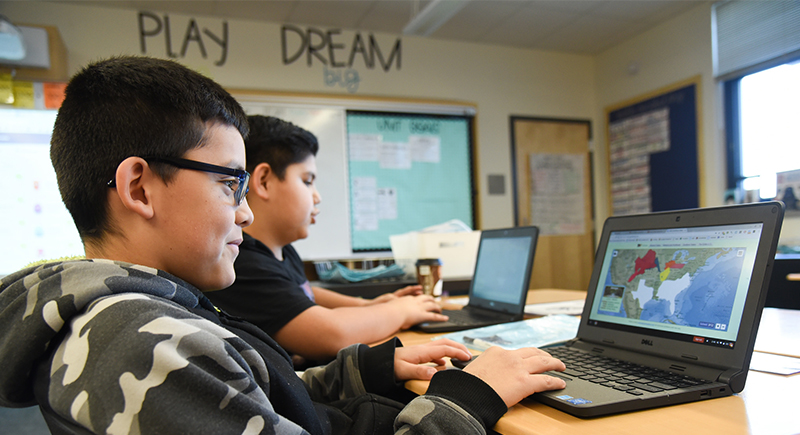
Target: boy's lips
[{"x": 235, "y": 245}]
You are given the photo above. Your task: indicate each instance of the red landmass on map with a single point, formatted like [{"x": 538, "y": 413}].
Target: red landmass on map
[
  {"x": 673, "y": 265},
  {"x": 643, "y": 263}
]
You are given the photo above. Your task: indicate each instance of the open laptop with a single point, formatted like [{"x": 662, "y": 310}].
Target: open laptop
[
  {"x": 678, "y": 293},
  {"x": 499, "y": 285}
]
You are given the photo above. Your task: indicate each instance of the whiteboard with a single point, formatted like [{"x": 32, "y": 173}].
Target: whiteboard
[
  {"x": 329, "y": 237},
  {"x": 34, "y": 222}
]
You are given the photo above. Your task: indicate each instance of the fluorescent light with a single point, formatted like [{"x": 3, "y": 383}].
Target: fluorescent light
[{"x": 433, "y": 16}]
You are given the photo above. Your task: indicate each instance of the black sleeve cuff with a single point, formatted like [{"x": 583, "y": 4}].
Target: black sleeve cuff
[
  {"x": 377, "y": 367},
  {"x": 470, "y": 393}
]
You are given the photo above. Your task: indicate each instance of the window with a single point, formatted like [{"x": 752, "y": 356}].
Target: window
[
  {"x": 756, "y": 55},
  {"x": 762, "y": 111}
]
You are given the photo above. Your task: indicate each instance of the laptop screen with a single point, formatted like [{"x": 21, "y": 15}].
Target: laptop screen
[
  {"x": 500, "y": 268},
  {"x": 688, "y": 284}
]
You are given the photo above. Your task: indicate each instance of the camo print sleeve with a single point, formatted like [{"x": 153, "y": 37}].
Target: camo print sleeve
[
  {"x": 357, "y": 369},
  {"x": 134, "y": 364},
  {"x": 456, "y": 403}
]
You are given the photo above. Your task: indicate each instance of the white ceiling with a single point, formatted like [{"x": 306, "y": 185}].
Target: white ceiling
[{"x": 572, "y": 26}]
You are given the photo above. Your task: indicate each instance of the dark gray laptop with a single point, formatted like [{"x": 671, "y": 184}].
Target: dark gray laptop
[
  {"x": 499, "y": 285},
  {"x": 672, "y": 310}
]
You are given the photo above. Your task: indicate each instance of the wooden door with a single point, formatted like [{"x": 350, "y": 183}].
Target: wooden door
[{"x": 563, "y": 260}]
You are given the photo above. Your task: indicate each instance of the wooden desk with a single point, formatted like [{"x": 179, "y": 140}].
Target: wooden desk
[{"x": 768, "y": 405}]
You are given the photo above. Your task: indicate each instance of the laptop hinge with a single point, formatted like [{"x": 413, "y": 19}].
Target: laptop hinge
[
  {"x": 734, "y": 378},
  {"x": 491, "y": 312}
]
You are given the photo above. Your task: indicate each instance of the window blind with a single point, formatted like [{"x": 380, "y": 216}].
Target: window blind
[{"x": 750, "y": 35}]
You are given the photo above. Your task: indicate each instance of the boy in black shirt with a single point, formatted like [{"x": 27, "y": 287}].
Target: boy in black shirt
[{"x": 271, "y": 289}]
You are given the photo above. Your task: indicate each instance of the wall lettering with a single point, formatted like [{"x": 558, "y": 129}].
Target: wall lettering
[
  {"x": 387, "y": 124},
  {"x": 346, "y": 78},
  {"x": 424, "y": 127},
  {"x": 151, "y": 25},
  {"x": 327, "y": 48}
]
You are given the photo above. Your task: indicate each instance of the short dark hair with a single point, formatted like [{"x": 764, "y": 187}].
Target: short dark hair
[
  {"x": 278, "y": 143},
  {"x": 129, "y": 106}
]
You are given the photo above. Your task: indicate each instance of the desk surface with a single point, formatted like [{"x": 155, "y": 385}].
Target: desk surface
[{"x": 767, "y": 405}]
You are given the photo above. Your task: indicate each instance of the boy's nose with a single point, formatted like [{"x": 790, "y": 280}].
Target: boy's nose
[
  {"x": 317, "y": 196},
  {"x": 244, "y": 216}
]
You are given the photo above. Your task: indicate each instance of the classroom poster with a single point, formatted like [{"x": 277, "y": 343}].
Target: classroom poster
[{"x": 557, "y": 193}]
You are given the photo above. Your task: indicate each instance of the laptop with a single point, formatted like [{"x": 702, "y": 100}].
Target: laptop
[
  {"x": 499, "y": 284},
  {"x": 672, "y": 310}
]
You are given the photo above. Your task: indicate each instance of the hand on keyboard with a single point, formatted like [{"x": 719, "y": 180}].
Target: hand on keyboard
[{"x": 516, "y": 374}]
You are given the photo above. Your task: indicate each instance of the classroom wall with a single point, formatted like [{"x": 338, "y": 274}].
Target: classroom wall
[
  {"x": 500, "y": 81},
  {"x": 676, "y": 50}
]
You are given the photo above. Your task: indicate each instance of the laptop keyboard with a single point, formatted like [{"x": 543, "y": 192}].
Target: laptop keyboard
[{"x": 620, "y": 375}]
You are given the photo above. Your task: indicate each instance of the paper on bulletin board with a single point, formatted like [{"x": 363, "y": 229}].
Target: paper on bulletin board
[
  {"x": 365, "y": 203},
  {"x": 394, "y": 155},
  {"x": 425, "y": 148},
  {"x": 557, "y": 193},
  {"x": 24, "y": 95},
  {"x": 364, "y": 147},
  {"x": 6, "y": 89},
  {"x": 53, "y": 94},
  {"x": 387, "y": 203},
  {"x": 631, "y": 141}
]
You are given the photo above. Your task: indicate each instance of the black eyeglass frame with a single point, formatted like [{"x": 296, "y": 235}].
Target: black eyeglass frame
[{"x": 242, "y": 175}]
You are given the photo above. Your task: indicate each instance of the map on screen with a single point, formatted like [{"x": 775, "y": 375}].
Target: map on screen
[
  {"x": 693, "y": 287},
  {"x": 690, "y": 281}
]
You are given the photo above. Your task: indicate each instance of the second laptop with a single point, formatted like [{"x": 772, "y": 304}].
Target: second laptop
[{"x": 499, "y": 284}]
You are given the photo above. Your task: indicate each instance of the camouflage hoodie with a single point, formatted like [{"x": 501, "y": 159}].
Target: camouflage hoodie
[{"x": 110, "y": 347}]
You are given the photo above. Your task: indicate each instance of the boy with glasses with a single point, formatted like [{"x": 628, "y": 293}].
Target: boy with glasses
[
  {"x": 125, "y": 342},
  {"x": 271, "y": 289}
]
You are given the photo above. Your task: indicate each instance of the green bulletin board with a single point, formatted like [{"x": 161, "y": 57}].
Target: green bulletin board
[{"x": 406, "y": 172}]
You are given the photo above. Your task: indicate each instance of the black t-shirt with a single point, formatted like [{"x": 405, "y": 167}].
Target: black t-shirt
[{"x": 267, "y": 292}]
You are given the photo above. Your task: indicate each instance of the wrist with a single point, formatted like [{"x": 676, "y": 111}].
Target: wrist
[
  {"x": 378, "y": 366},
  {"x": 471, "y": 393}
]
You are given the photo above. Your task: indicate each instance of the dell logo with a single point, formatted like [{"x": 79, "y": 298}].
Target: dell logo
[{"x": 647, "y": 342}]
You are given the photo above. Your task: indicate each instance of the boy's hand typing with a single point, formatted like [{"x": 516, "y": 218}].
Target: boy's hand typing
[
  {"x": 411, "y": 290},
  {"x": 418, "y": 309},
  {"x": 408, "y": 360},
  {"x": 516, "y": 374}
]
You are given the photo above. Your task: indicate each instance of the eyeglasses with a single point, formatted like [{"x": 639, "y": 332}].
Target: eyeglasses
[{"x": 240, "y": 188}]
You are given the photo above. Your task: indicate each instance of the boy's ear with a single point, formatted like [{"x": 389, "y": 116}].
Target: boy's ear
[
  {"x": 134, "y": 194},
  {"x": 260, "y": 179}
]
